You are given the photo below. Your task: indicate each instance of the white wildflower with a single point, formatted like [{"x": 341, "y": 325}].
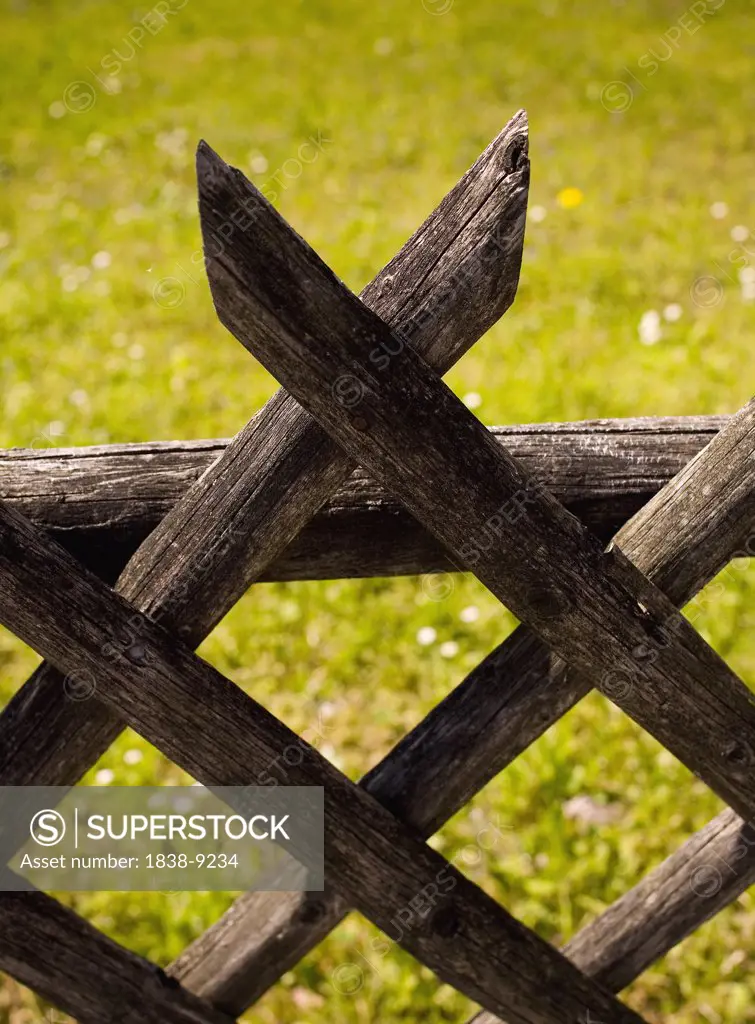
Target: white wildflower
[
  {"x": 426, "y": 636},
  {"x": 650, "y": 327}
]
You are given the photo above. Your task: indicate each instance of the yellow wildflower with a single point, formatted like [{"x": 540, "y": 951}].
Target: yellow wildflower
[{"x": 570, "y": 197}]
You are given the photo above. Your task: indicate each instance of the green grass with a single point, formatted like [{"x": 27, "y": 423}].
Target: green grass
[{"x": 407, "y": 99}]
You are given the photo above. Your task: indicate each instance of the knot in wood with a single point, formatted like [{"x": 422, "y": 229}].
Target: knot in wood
[
  {"x": 445, "y": 921},
  {"x": 516, "y": 156},
  {"x": 737, "y": 753},
  {"x": 137, "y": 654}
]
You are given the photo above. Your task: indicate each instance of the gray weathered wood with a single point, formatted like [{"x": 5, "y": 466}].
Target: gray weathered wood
[
  {"x": 277, "y": 410},
  {"x": 101, "y": 502},
  {"x": 505, "y": 704},
  {"x": 70, "y": 963},
  {"x": 221, "y": 737},
  {"x": 705, "y": 875},
  {"x": 447, "y": 285},
  {"x": 703, "y": 518},
  {"x": 590, "y": 1015},
  {"x": 591, "y": 605}
]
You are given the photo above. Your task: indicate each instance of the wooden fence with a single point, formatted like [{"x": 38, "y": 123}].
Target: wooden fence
[{"x": 186, "y": 528}]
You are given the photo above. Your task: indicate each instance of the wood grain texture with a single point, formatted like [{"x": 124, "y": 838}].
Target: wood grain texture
[
  {"x": 505, "y": 704},
  {"x": 220, "y": 736},
  {"x": 705, "y": 875},
  {"x": 71, "y": 964},
  {"x": 448, "y": 284},
  {"x": 567, "y": 997},
  {"x": 102, "y": 502},
  {"x": 663, "y": 552},
  {"x": 591, "y": 605},
  {"x": 700, "y": 521}
]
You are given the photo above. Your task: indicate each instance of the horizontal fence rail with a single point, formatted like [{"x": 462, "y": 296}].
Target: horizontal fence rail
[{"x": 603, "y": 471}]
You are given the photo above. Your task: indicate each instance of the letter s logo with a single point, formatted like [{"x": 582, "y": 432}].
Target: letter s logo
[{"x": 47, "y": 828}]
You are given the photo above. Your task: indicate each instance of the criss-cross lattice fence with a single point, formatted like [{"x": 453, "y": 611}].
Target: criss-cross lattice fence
[{"x": 199, "y": 523}]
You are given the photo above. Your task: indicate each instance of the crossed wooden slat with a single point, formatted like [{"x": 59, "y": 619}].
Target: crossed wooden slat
[
  {"x": 714, "y": 676},
  {"x": 235, "y": 307},
  {"x": 686, "y": 534},
  {"x": 589, "y": 603},
  {"x": 239, "y": 311},
  {"x": 251, "y": 946},
  {"x": 245, "y": 739},
  {"x": 448, "y": 284}
]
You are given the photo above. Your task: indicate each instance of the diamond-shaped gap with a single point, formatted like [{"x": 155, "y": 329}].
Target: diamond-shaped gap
[
  {"x": 575, "y": 821},
  {"x": 353, "y": 665},
  {"x": 359, "y": 974}
]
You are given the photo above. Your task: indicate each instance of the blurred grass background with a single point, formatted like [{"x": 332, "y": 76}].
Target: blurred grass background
[{"x": 636, "y": 298}]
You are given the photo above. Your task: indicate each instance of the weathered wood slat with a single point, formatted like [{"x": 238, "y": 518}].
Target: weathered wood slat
[
  {"x": 681, "y": 539},
  {"x": 447, "y": 285},
  {"x": 278, "y": 409},
  {"x": 703, "y": 518},
  {"x": 70, "y": 963},
  {"x": 705, "y": 875},
  {"x": 209, "y": 727},
  {"x": 630, "y": 929},
  {"x": 591, "y": 605},
  {"x": 102, "y": 502},
  {"x": 505, "y": 704}
]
